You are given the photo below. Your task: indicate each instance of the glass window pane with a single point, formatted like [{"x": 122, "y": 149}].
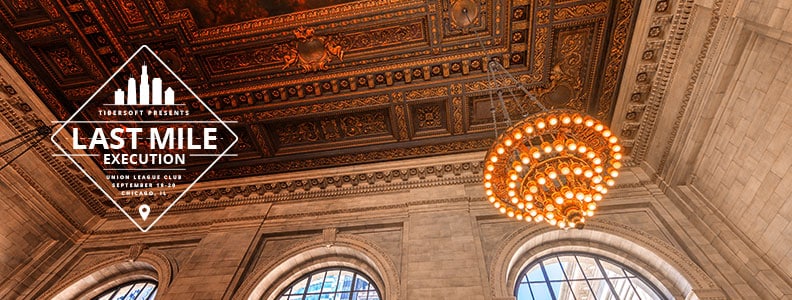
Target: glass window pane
[
  {"x": 524, "y": 292},
  {"x": 611, "y": 270},
  {"x": 601, "y": 289},
  {"x": 361, "y": 284},
  {"x": 540, "y": 291},
  {"x": 346, "y": 281},
  {"x": 331, "y": 281},
  {"x": 581, "y": 290},
  {"x": 623, "y": 288},
  {"x": 316, "y": 283},
  {"x": 571, "y": 268},
  {"x": 122, "y": 292},
  {"x": 536, "y": 274},
  {"x": 312, "y": 297},
  {"x": 147, "y": 290},
  {"x": 561, "y": 291},
  {"x": 644, "y": 290},
  {"x": 299, "y": 288},
  {"x": 589, "y": 267},
  {"x": 134, "y": 291},
  {"x": 329, "y": 296},
  {"x": 553, "y": 269}
]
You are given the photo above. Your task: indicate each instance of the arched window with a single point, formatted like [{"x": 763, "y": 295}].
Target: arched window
[
  {"x": 332, "y": 283},
  {"x": 582, "y": 276},
  {"x": 133, "y": 290}
]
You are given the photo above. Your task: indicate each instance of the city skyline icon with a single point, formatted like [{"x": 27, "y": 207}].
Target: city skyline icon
[{"x": 144, "y": 94}]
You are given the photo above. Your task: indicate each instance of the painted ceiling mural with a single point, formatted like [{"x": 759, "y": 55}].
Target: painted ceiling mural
[
  {"x": 208, "y": 13},
  {"x": 324, "y": 83}
]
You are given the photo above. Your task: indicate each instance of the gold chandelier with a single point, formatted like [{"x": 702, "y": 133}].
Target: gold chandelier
[{"x": 553, "y": 166}]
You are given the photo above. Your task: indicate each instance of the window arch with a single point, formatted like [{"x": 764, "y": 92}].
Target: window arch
[
  {"x": 332, "y": 283},
  {"x": 133, "y": 290},
  {"x": 582, "y": 276}
]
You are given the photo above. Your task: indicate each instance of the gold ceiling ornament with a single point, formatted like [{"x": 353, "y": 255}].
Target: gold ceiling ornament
[
  {"x": 311, "y": 52},
  {"x": 554, "y": 166}
]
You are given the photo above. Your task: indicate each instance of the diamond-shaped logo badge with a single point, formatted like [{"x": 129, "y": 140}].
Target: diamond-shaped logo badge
[{"x": 144, "y": 138}]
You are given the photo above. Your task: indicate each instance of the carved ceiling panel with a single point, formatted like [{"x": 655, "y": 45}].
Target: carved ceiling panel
[{"x": 316, "y": 83}]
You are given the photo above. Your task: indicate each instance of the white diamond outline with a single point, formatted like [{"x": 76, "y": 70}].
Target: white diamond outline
[{"x": 68, "y": 155}]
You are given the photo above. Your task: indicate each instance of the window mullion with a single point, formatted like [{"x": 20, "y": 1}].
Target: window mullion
[
  {"x": 563, "y": 271},
  {"x": 547, "y": 280},
  {"x": 585, "y": 277},
  {"x": 607, "y": 278}
]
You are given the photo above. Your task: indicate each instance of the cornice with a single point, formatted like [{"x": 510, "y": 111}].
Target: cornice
[{"x": 325, "y": 187}]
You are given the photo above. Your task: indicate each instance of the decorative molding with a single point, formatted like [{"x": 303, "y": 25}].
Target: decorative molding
[
  {"x": 694, "y": 76},
  {"x": 677, "y": 34},
  {"x": 323, "y": 187},
  {"x": 135, "y": 251}
]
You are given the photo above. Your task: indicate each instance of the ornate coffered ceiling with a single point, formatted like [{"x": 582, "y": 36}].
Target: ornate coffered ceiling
[{"x": 330, "y": 83}]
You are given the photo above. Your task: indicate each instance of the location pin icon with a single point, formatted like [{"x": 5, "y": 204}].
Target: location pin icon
[{"x": 144, "y": 211}]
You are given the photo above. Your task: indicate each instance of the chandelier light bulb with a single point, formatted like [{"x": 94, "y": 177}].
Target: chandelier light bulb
[
  {"x": 546, "y": 147},
  {"x": 599, "y": 127},
  {"x": 552, "y": 167}
]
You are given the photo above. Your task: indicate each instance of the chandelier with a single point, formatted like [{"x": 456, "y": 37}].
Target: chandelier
[{"x": 552, "y": 166}]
